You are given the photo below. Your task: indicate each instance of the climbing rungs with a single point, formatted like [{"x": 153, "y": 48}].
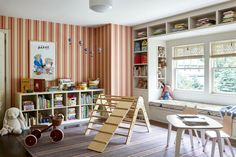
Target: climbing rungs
[
  {"x": 106, "y": 105},
  {"x": 93, "y": 129},
  {"x": 108, "y": 128},
  {"x": 96, "y": 123},
  {"x": 110, "y": 123},
  {"x": 116, "y": 99},
  {"x": 99, "y": 141},
  {"x": 114, "y": 120},
  {"x": 102, "y": 117},
  {"x": 119, "y": 112},
  {"x": 119, "y": 134},
  {"x": 103, "y": 111},
  {"x": 116, "y": 116},
  {"x": 103, "y": 137},
  {"x": 141, "y": 121},
  {"x": 105, "y": 132},
  {"x": 121, "y": 108},
  {"x": 123, "y": 127},
  {"x": 127, "y": 120},
  {"x": 97, "y": 146},
  {"x": 140, "y": 124}
]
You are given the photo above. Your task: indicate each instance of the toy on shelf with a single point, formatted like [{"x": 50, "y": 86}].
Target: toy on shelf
[
  {"x": 144, "y": 45},
  {"x": 72, "y": 99},
  {"x": 58, "y": 100},
  {"x": 142, "y": 83},
  {"x": 26, "y": 85},
  {"x": 56, "y": 134},
  {"x": 66, "y": 84},
  {"x": 166, "y": 92},
  {"x": 83, "y": 86},
  {"x": 93, "y": 84}
]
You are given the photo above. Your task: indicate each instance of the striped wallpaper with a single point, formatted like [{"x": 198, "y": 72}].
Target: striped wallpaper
[
  {"x": 121, "y": 59},
  {"x": 112, "y": 66}
]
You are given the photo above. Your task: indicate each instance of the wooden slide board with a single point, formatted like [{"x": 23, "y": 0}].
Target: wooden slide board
[
  {"x": 105, "y": 134},
  {"x": 118, "y": 115}
]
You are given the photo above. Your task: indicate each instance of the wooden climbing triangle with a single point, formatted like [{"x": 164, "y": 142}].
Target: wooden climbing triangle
[{"x": 118, "y": 110}]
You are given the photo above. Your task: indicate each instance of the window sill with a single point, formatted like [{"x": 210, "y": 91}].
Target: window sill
[{"x": 194, "y": 91}]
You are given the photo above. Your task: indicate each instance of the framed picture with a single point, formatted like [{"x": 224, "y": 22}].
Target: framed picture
[{"x": 42, "y": 60}]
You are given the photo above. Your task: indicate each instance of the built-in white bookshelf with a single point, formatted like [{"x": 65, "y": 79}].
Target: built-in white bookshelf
[
  {"x": 140, "y": 62},
  {"x": 75, "y": 105},
  {"x": 194, "y": 20}
]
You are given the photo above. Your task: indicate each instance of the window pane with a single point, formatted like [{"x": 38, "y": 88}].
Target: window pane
[
  {"x": 224, "y": 80},
  {"x": 224, "y": 62},
  {"x": 190, "y": 63},
  {"x": 190, "y": 79}
]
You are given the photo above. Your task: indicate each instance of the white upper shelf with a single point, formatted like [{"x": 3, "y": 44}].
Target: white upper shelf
[{"x": 220, "y": 28}]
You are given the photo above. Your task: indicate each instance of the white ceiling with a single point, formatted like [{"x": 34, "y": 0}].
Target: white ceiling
[{"x": 125, "y": 12}]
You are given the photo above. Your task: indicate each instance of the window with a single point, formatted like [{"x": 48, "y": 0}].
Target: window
[
  {"x": 223, "y": 56},
  {"x": 189, "y": 67}
]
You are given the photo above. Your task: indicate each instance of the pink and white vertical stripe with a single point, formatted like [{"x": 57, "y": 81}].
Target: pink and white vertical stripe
[{"x": 112, "y": 66}]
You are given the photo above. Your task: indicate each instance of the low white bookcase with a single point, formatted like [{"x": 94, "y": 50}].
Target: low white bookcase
[{"x": 75, "y": 105}]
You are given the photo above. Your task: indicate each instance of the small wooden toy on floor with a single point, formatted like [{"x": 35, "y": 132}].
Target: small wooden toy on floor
[{"x": 56, "y": 134}]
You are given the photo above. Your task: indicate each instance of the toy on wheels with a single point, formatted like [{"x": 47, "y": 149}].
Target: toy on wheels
[{"x": 56, "y": 134}]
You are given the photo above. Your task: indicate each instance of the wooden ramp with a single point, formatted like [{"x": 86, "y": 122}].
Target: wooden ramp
[
  {"x": 105, "y": 134},
  {"x": 119, "y": 110}
]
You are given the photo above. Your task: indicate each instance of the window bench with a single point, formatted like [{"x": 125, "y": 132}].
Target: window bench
[{"x": 159, "y": 109}]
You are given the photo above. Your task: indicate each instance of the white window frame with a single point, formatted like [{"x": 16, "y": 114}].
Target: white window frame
[
  {"x": 212, "y": 68},
  {"x": 174, "y": 69}
]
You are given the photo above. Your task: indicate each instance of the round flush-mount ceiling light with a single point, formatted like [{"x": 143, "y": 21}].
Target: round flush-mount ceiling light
[{"x": 100, "y": 5}]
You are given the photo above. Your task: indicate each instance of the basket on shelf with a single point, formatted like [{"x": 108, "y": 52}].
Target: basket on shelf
[
  {"x": 57, "y": 119},
  {"x": 93, "y": 84}
]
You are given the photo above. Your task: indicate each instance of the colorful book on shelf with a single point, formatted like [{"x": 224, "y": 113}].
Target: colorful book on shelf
[
  {"x": 28, "y": 105},
  {"x": 43, "y": 102},
  {"x": 85, "y": 111},
  {"x": 58, "y": 97},
  {"x": 59, "y": 105},
  {"x": 29, "y": 119},
  {"x": 86, "y": 99}
]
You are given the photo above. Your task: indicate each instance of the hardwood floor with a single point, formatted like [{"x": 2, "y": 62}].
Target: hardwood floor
[{"x": 10, "y": 147}]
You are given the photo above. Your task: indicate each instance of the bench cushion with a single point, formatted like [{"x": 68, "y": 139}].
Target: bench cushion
[{"x": 206, "y": 109}]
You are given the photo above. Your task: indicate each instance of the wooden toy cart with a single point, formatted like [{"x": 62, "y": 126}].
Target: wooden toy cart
[{"x": 56, "y": 134}]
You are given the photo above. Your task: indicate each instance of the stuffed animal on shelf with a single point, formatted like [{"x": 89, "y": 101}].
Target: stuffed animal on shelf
[
  {"x": 166, "y": 92},
  {"x": 14, "y": 122}
]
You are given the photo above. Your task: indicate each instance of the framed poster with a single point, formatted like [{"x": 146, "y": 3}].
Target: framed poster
[{"x": 42, "y": 60}]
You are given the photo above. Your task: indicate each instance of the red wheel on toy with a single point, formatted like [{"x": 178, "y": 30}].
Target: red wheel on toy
[
  {"x": 36, "y": 133},
  {"x": 30, "y": 140},
  {"x": 57, "y": 135}
]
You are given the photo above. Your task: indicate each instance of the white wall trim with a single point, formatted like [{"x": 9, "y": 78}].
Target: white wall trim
[{"x": 7, "y": 70}]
